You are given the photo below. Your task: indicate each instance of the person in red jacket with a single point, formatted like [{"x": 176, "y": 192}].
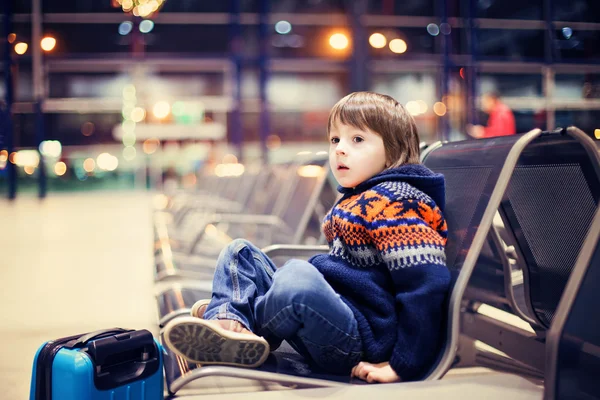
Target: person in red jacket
[{"x": 501, "y": 121}]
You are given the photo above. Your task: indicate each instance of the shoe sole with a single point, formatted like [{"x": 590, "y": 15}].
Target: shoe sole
[{"x": 202, "y": 343}]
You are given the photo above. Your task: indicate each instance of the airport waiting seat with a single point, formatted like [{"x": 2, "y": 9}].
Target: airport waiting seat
[
  {"x": 573, "y": 354},
  {"x": 477, "y": 176},
  {"x": 305, "y": 205},
  {"x": 547, "y": 210}
]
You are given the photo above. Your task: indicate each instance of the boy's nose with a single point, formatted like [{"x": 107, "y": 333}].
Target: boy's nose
[{"x": 340, "y": 149}]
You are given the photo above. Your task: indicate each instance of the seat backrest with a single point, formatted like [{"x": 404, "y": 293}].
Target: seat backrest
[
  {"x": 300, "y": 207},
  {"x": 548, "y": 207},
  {"x": 573, "y": 352},
  {"x": 472, "y": 170}
]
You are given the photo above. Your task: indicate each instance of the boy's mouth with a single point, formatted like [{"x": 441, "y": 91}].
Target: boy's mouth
[{"x": 341, "y": 167}]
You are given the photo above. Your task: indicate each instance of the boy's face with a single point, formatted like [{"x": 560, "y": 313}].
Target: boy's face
[{"x": 355, "y": 155}]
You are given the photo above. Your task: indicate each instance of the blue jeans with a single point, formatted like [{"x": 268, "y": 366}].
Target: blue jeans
[{"x": 293, "y": 303}]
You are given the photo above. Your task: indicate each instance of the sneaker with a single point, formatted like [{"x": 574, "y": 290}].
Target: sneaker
[
  {"x": 203, "y": 342},
  {"x": 199, "y": 308}
]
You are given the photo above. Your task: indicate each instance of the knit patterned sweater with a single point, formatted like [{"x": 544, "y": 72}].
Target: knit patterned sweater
[{"x": 387, "y": 262}]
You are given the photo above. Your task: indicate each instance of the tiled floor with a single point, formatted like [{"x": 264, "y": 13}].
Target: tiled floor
[{"x": 70, "y": 264}]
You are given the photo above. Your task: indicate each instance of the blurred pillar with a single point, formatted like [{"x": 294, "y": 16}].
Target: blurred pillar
[
  {"x": 235, "y": 133},
  {"x": 264, "y": 75},
  {"x": 548, "y": 70},
  {"x": 6, "y": 133},
  {"x": 38, "y": 89},
  {"x": 359, "y": 70},
  {"x": 471, "y": 69},
  {"x": 445, "y": 75}
]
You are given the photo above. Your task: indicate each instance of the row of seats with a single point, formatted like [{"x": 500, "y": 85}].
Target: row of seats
[{"x": 519, "y": 210}]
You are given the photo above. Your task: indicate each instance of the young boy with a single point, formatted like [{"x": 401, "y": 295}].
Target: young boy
[{"x": 373, "y": 305}]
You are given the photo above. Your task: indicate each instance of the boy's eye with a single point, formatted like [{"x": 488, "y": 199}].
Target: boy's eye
[
  {"x": 358, "y": 139},
  {"x": 335, "y": 140}
]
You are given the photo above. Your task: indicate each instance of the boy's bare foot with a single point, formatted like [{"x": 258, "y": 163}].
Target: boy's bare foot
[{"x": 215, "y": 342}]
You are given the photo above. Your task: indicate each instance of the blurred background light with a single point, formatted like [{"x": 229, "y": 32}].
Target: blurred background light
[
  {"x": 567, "y": 32},
  {"x": 283, "y": 27},
  {"x": 398, "y": 46},
  {"x": 87, "y": 128},
  {"x": 338, "y": 41},
  {"x": 146, "y": 26},
  {"x": 161, "y": 109},
  {"x": 150, "y": 146},
  {"x": 60, "y": 168},
  {"x": 129, "y": 153},
  {"x": 445, "y": 28},
  {"x": 89, "y": 165},
  {"x": 51, "y": 148},
  {"x": 25, "y": 158},
  {"x": 433, "y": 29},
  {"x": 413, "y": 108},
  {"x": 138, "y": 114},
  {"x": 21, "y": 48},
  {"x": 439, "y": 109},
  {"x": 377, "y": 40},
  {"x": 125, "y": 28},
  {"x": 48, "y": 43},
  {"x": 107, "y": 162}
]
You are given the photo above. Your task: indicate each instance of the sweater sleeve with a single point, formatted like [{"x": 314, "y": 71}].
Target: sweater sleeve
[{"x": 410, "y": 236}]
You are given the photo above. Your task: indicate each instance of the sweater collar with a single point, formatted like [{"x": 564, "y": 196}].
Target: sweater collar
[{"x": 416, "y": 175}]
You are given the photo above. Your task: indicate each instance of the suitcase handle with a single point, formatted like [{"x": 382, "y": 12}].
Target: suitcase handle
[
  {"x": 95, "y": 335},
  {"x": 123, "y": 358}
]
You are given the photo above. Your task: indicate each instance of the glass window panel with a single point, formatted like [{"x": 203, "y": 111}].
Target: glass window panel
[
  {"x": 586, "y": 120},
  {"x": 22, "y": 79},
  {"x": 511, "y": 85},
  {"x": 530, "y": 10},
  {"x": 169, "y": 85},
  {"x": 514, "y": 45},
  {"x": 573, "y": 44},
  {"x": 577, "y": 86},
  {"x": 577, "y": 10},
  {"x": 402, "y": 7},
  {"x": 307, "y": 6}
]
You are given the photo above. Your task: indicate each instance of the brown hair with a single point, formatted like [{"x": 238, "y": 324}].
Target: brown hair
[{"x": 384, "y": 116}]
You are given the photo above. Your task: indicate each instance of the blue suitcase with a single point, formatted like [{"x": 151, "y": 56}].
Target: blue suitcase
[{"x": 110, "y": 364}]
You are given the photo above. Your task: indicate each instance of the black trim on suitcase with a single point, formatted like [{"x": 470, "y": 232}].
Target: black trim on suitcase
[{"x": 43, "y": 368}]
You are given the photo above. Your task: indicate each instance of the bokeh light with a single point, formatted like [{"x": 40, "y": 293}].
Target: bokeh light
[
  {"x": 338, "y": 41},
  {"x": 398, "y": 46},
  {"x": 377, "y": 40},
  {"x": 60, "y": 168},
  {"x": 48, "y": 43},
  {"x": 161, "y": 109},
  {"x": 439, "y": 109},
  {"x": 87, "y": 128},
  {"x": 138, "y": 114},
  {"x": 146, "y": 26},
  {"x": 125, "y": 28},
  {"x": 283, "y": 27},
  {"x": 89, "y": 165},
  {"x": 150, "y": 146},
  {"x": 21, "y": 48}
]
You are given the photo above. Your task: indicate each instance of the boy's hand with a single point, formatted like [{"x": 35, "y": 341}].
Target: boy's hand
[{"x": 381, "y": 372}]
